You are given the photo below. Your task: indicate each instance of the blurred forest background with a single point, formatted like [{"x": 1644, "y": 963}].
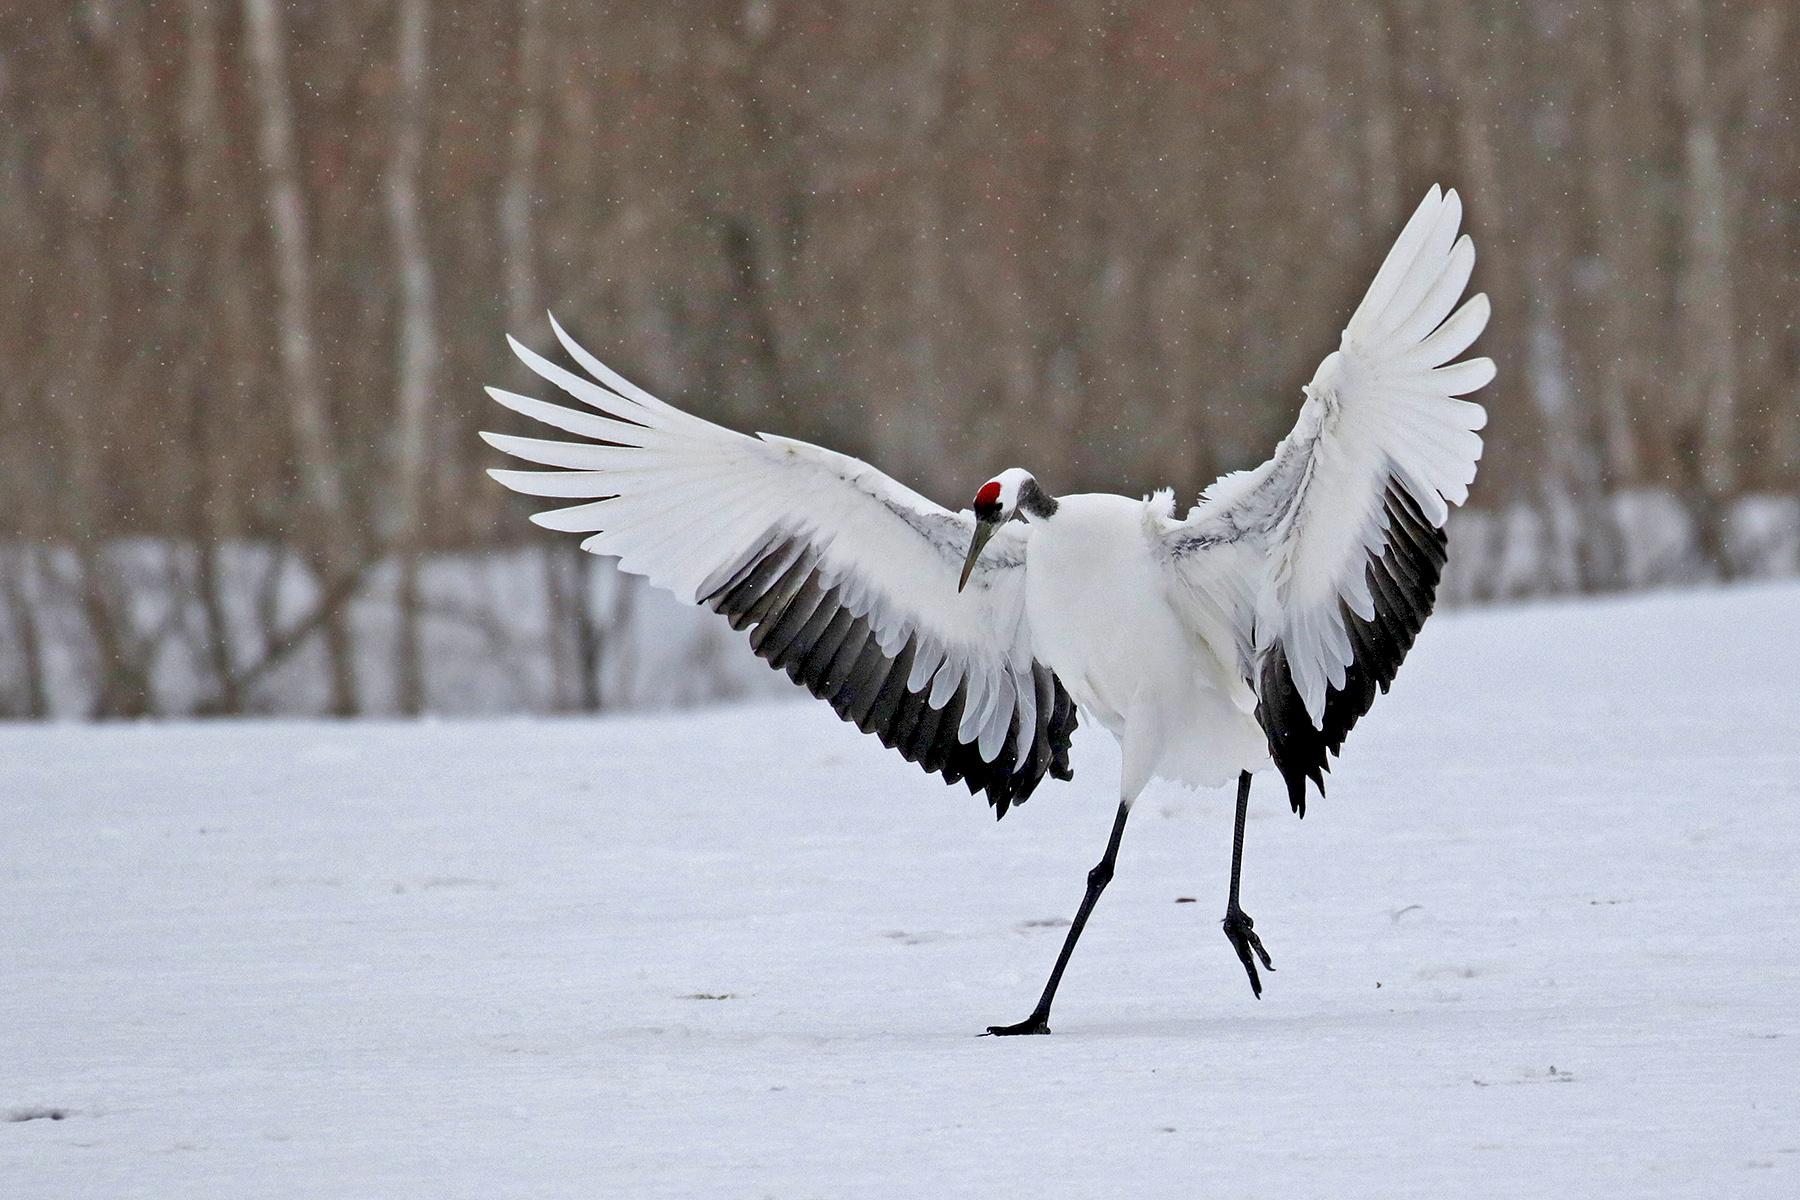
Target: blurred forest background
[{"x": 257, "y": 258}]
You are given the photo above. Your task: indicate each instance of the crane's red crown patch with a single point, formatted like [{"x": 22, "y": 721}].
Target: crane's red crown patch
[{"x": 989, "y": 494}]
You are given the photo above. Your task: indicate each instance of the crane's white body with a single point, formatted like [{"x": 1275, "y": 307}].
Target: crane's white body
[
  {"x": 1097, "y": 597},
  {"x": 1256, "y": 626}
]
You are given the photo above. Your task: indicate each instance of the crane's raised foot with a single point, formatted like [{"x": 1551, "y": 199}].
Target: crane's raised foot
[
  {"x": 1035, "y": 1023},
  {"x": 1242, "y": 932}
]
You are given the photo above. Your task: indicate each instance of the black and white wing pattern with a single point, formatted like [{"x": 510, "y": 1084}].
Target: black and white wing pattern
[
  {"x": 1323, "y": 563},
  {"x": 845, "y": 578}
]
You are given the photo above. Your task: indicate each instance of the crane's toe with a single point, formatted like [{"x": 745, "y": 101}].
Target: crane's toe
[
  {"x": 1242, "y": 932},
  {"x": 1035, "y": 1023}
]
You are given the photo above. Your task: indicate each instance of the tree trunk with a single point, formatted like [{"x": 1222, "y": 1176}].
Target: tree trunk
[
  {"x": 17, "y": 577},
  {"x": 417, "y": 340},
  {"x": 1380, "y": 127},
  {"x": 518, "y": 234},
  {"x": 1703, "y": 291},
  {"x": 907, "y": 442},
  {"x": 330, "y": 534},
  {"x": 1618, "y": 107}
]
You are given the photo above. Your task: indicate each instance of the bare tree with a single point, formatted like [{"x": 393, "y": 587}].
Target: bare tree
[
  {"x": 331, "y": 535},
  {"x": 1620, "y": 141},
  {"x": 1707, "y": 85},
  {"x": 517, "y": 226},
  {"x": 19, "y": 569},
  {"x": 418, "y": 348}
]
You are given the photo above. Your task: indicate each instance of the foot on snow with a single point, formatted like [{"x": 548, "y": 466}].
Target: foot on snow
[{"x": 1242, "y": 932}]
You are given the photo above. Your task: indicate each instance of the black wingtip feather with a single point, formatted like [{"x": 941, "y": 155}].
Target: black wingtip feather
[
  {"x": 799, "y": 624},
  {"x": 1403, "y": 585},
  {"x": 883, "y": 712},
  {"x": 752, "y": 584}
]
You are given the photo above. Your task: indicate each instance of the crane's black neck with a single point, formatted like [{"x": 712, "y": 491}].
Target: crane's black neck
[{"x": 1035, "y": 501}]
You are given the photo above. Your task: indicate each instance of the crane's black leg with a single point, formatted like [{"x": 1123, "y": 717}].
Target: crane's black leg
[
  {"x": 1098, "y": 878},
  {"x": 1238, "y": 926}
]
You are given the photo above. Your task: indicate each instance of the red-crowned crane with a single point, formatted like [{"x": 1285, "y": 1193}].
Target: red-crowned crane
[{"x": 1252, "y": 632}]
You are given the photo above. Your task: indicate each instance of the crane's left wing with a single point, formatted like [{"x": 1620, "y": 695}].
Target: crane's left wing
[
  {"x": 845, "y": 578},
  {"x": 1322, "y": 564}
]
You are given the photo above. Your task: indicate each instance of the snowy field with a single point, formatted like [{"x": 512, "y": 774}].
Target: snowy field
[{"x": 1542, "y": 939}]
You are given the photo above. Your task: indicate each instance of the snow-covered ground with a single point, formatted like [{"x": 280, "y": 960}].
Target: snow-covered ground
[{"x": 1542, "y": 939}]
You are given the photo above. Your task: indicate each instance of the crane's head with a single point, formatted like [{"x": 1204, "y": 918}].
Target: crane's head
[{"x": 1012, "y": 493}]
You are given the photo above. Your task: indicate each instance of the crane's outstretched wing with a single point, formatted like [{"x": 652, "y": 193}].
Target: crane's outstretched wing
[
  {"x": 845, "y": 578},
  {"x": 1324, "y": 562}
]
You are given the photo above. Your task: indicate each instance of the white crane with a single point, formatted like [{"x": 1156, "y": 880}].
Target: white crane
[{"x": 1251, "y": 632}]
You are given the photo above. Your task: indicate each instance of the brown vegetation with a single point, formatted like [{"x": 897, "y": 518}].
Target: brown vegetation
[{"x": 258, "y": 258}]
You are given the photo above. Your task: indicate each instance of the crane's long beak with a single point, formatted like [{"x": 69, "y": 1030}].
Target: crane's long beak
[{"x": 983, "y": 531}]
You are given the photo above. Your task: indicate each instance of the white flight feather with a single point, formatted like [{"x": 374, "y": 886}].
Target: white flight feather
[
  {"x": 686, "y": 502},
  {"x": 1381, "y": 406}
]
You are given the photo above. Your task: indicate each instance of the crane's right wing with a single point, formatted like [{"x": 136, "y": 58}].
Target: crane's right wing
[
  {"x": 1322, "y": 564},
  {"x": 845, "y": 578}
]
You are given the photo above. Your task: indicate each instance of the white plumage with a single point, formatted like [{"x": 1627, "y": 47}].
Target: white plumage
[
  {"x": 1256, "y": 628},
  {"x": 693, "y": 503}
]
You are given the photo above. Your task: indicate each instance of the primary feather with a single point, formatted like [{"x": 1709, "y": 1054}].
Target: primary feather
[
  {"x": 1325, "y": 559},
  {"x": 846, "y": 578}
]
